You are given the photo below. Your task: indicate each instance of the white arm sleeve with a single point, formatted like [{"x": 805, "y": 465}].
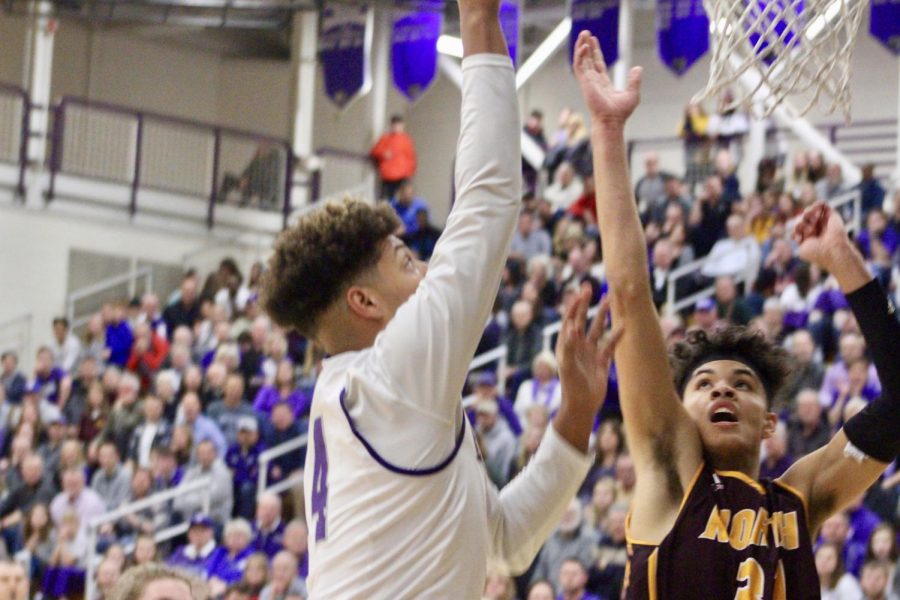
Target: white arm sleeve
[
  {"x": 406, "y": 399},
  {"x": 524, "y": 514}
]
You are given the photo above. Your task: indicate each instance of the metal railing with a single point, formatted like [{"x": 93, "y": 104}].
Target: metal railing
[
  {"x": 675, "y": 305},
  {"x": 201, "y": 485},
  {"x": 15, "y": 335},
  {"x": 102, "y": 289},
  {"x": 336, "y": 167},
  {"x": 14, "y": 130},
  {"x": 266, "y": 457},
  {"x": 150, "y": 151}
]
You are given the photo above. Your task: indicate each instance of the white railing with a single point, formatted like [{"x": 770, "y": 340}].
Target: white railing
[
  {"x": 266, "y": 456},
  {"x": 15, "y": 335},
  {"x": 102, "y": 287},
  {"x": 675, "y": 305},
  {"x": 202, "y": 485}
]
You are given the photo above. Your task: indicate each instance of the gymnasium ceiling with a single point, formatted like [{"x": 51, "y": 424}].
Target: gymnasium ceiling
[{"x": 261, "y": 28}]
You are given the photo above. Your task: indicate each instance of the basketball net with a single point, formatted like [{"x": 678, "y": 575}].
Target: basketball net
[{"x": 781, "y": 48}]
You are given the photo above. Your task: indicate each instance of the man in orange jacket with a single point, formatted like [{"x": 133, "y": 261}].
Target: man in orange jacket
[{"x": 395, "y": 156}]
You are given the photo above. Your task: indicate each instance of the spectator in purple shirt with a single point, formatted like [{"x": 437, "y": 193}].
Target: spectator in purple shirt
[
  {"x": 166, "y": 472},
  {"x": 877, "y": 231},
  {"x": 198, "y": 554},
  {"x": 284, "y": 390},
  {"x": 119, "y": 337},
  {"x": 243, "y": 460},
  {"x": 268, "y": 529},
  {"x": 227, "y": 566},
  {"x": 852, "y": 347},
  {"x": 51, "y": 383}
]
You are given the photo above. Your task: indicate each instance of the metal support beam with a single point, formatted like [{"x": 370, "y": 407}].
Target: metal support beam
[
  {"x": 626, "y": 44},
  {"x": 544, "y": 52},
  {"x": 304, "y": 46},
  {"x": 42, "y": 32}
]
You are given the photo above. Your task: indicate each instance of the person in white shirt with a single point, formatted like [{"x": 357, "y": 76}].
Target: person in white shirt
[
  {"x": 734, "y": 256},
  {"x": 397, "y": 501},
  {"x": 542, "y": 389},
  {"x": 65, "y": 346}
]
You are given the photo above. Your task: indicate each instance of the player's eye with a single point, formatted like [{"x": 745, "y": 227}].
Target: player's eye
[
  {"x": 703, "y": 384},
  {"x": 742, "y": 385}
]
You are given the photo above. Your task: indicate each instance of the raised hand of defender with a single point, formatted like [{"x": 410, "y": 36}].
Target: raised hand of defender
[
  {"x": 821, "y": 236},
  {"x": 603, "y": 100},
  {"x": 584, "y": 356}
]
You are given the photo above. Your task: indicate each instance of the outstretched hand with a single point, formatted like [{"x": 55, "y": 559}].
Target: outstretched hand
[
  {"x": 605, "y": 103},
  {"x": 584, "y": 357},
  {"x": 821, "y": 235}
]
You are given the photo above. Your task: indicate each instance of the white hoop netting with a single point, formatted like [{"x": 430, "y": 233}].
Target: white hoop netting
[{"x": 781, "y": 48}]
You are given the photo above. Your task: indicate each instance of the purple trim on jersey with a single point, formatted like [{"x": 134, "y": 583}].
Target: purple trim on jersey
[{"x": 400, "y": 470}]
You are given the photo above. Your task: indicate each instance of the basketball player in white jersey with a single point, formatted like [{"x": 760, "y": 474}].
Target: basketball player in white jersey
[{"x": 397, "y": 502}]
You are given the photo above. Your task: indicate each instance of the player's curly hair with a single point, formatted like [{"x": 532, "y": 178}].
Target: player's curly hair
[
  {"x": 770, "y": 362},
  {"x": 318, "y": 257}
]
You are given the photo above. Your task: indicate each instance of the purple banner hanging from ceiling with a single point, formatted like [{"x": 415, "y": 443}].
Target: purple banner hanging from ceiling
[
  {"x": 344, "y": 45},
  {"x": 601, "y": 18},
  {"x": 509, "y": 23},
  {"x": 414, "y": 46},
  {"x": 884, "y": 23},
  {"x": 682, "y": 33},
  {"x": 781, "y": 17}
]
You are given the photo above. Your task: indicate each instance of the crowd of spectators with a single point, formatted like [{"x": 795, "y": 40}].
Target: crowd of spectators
[{"x": 156, "y": 394}]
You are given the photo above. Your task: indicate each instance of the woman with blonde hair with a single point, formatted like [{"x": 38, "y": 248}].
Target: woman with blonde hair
[{"x": 542, "y": 389}]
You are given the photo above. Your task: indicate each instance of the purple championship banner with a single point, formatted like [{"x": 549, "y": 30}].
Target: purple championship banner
[
  {"x": 509, "y": 23},
  {"x": 771, "y": 11},
  {"x": 414, "y": 46},
  {"x": 344, "y": 48},
  {"x": 884, "y": 24},
  {"x": 682, "y": 33},
  {"x": 601, "y": 18}
]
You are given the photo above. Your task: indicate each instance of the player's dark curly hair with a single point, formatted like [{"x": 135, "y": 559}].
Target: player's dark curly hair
[
  {"x": 316, "y": 259},
  {"x": 770, "y": 362}
]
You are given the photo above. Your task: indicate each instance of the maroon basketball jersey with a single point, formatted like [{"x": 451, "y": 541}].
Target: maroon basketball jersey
[{"x": 734, "y": 538}]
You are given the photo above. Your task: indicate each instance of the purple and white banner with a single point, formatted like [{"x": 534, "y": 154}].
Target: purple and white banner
[
  {"x": 884, "y": 23},
  {"x": 601, "y": 18},
  {"x": 414, "y": 46},
  {"x": 682, "y": 33},
  {"x": 344, "y": 47},
  {"x": 509, "y": 23}
]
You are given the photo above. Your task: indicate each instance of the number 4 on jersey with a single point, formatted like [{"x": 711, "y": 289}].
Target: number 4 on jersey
[{"x": 319, "y": 500}]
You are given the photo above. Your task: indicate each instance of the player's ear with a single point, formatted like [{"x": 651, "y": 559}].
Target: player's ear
[
  {"x": 771, "y": 420},
  {"x": 363, "y": 302}
]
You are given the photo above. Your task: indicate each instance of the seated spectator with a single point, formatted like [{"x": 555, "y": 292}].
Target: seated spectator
[
  {"x": 111, "y": 481},
  {"x": 226, "y": 412},
  {"x": 151, "y": 314},
  {"x": 197, "y": 556},
  {"x": 12, "y": 380},
  {"x": 296, "y": 537},
  {"x": 499, "y": 442},
  {"x": 529, "y": 239},
  {"x": 775, "y": 447},
  {"x": 771, "y": 322},
  {"x": 407, "y": 205},
  {"x": 663, "y": 260},
  {"x": 163, "y": 580},
  {"x": 607, "y": 572},
  {"x": 874, "y": 581},
  {"x": 706, "y": 315},
  {"x": 836, "y": 530},
  {"x": 836, "y": 583},
  {"x": 227, "y": 567},
  {"x": 651, "y": 186},
  {"x": 883, "y": 547},
  {"x": 243, "y": 460},
  {"x": 54, "y": 436},
  {"x": 65, "y": 570},
  {"x": 729, "y": 305},
  {"x": 182, "y": 445},
  {"x": 573, "y": 579},
  {"x": 152, "y": 431},
  {"x": 423, "y": 240},
  {"x": 202, "y": 427},
  {"x": 877, "y": 232},
  {"x": 256, "y": 573},
  {"x": 38, "y": 539},
  {"x": 737, "y": 255},
  {"x": 542, "y": 389},
  {"x": 260, "y": 179},
  {"x": 185, "y": 311},
  {"x": 77, "y": 498},
  {"x": 800, "y": 296},
  {"x": 145, "y": 550},
  {"x": 88, "y": 375},
  {"x": 572, "y": 539},
  {"x": 94, "y": 344},
  {"x": 708, "y": 215},
  {"x": 268, "y": 528},
  {"x": 213, "y": 382},
  {"x": 233, "y": 296},
  {"x": 540, "y": 590},
  {"x": 220, "y": 490},
  {"x": 528, "y": 443},
  {"x": 164, "y": 468},
  {"x": 285, "y": 428},
  {"x": 50, "y": 383},
  {"x": 119, "y": 338},
  {"x": 610, "y": 445},
  {"x": 565, "y": 188},
  {"x": 851, "y": 347},
  {"x": 856, "y": 388},
  {"x": 808, "y": 428},
  {"x": 673, "y": 196},
  {"x": 147, "y": 520},
  {"x": 284, "y": 389},
  {"x": 584, "y": 209},
  {"x": 96, "y": 412},
  {"x": 65, "y": 346},
  {"x": 107, "y": 577},
  {"x": 524, "y": 339},
  {"x": 148, "y": 353},
  {"x": 125, "y": 414},
  {"x": 284, "y": 582},
  {"x": 625, "y": 478},
  {"x": 779, "y": 270}
]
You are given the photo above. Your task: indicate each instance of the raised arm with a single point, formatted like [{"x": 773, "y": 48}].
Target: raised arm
[
  {"x": 833, "y": 476},
  {"x": 425, "y": 350},
  {"x": 662, "y": 439}
]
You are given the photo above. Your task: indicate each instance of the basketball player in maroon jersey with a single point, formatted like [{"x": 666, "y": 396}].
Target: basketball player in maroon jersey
[{"x": 702, "y": 524}]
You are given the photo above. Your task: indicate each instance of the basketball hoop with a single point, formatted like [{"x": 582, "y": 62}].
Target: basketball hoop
[{"x": 781, "y": 48}]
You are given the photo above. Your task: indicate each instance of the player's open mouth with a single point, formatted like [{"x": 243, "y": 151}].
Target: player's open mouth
[{"x": 723, "y": 413}]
